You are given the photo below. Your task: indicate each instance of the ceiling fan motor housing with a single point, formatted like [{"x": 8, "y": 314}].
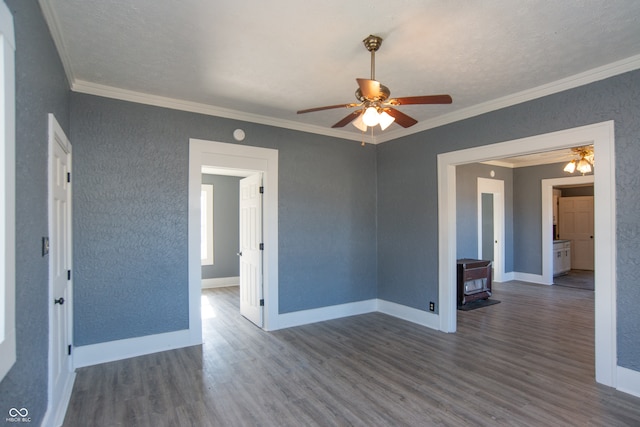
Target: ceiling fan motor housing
[{"x": 383, "y": 95}]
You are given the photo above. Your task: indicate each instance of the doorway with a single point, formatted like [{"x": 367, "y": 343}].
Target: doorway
[
  {"x": 547, "y": 219},
  {"x": 233, "y": 157},
  {"x": 601, "y": 135},
  {"x": 236, "y": 235},
  {"x": 491, "y": 227}
]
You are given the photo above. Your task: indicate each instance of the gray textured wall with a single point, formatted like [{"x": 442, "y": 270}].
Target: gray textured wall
[
  {"x": 467, "y": 209},
  {"x": 129, "y": 225},
  {"x": 407, "y": 187},
  {"x": 226, "y": 227},
  {"x": 130, "y": 216},
  {"x": 41, "y": 88}
]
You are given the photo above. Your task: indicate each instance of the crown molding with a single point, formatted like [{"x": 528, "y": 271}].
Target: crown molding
[
  {"x": 600, "y": 73},
  {"x": 81, "y": 86}
]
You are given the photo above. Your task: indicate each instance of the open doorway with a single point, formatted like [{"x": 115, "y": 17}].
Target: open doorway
[
  {"x": 549, "y": 233},
  {"x": 220, "y": 227},
  {"x": 574, "y": 232},
  {"x": 601, "y": 135},
  {"x": 235, "y": 235}
]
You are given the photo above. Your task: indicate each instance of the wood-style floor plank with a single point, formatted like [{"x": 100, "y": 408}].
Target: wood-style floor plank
[{"x": 528, "y": 361}]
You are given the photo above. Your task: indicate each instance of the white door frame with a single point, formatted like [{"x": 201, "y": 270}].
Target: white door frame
[
  {"x": 233, "y": 157},
  {"x": 547, "y": 219},
  {"x": 601, "y": 135},
  {"x": 495, "y": 187},
  {"x": 58, "y": 401}
]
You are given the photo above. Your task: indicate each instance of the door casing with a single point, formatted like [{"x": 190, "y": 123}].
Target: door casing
[{"x": 231, "y": 157}]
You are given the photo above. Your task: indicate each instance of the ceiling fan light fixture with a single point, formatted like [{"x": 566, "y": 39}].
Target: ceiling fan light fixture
[
  {"x": 570, "y": 167},
  {"x": 385, "y": 120},
  {"x": 359, "y": 123},
  {"x": 371, "y": 116},
  {"x": 583, "y": 166},
  {"x": 584, "y": 163}
]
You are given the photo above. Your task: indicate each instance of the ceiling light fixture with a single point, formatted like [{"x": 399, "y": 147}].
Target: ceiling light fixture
[
  {"x": 359, "y": 123},
  {"x": 583, "y": 163},
  {"x": 371, "y": 117}
]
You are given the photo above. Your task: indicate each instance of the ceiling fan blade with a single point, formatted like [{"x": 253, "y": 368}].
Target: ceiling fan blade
[
  {"x": 427, "y": 99},
  {"x": 328, "y": 107},
  {"x": 351, "y": 117},
  {"x": 370, "y": 88},
  {"x": 401, "y": 118}
]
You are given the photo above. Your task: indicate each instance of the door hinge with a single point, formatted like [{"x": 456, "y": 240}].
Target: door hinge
[
  {"x": 68, "y": 274},
  {"x": 262, "y": 303},
  {"x": 68, "y": 176},
  {"x": 69, "y": 350},
  {"x": 261, "y": 190},
  {"x": 262, "y": 246}
]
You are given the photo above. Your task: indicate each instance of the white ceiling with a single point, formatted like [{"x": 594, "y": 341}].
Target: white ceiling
[
  {"x": 535, "y": 159},
  {"x": 261, "y": 61}
]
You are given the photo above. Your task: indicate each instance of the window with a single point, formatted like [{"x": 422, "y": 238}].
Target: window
[
  {"x": 7, "y": 190},
  {"x": 206, "y": 224}
]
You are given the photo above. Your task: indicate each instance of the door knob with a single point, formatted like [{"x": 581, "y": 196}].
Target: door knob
[{"x": 59, "y": 301}]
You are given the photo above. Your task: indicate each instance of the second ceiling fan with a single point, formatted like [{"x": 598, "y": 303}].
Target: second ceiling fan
[{"x": 373, "y": 98}]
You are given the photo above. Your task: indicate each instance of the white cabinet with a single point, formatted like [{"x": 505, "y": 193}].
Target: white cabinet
[{"x": 561, "y": 257}]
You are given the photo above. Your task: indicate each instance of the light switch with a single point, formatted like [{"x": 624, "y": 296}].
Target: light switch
[{"x": 45, "y": 246}]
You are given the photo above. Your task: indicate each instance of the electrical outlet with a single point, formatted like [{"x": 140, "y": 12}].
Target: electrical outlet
[{"x": 432, "y": 306}]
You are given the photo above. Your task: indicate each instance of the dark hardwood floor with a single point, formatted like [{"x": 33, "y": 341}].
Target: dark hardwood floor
[
  {"x": 581, "y": 279},
  {"x": 528, "y": 361}
]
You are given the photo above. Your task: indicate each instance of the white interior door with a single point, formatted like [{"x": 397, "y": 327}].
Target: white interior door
[
  {"x": 576, "y": 224},
  {"x": 251, "y": 294},
  {"x": 60, "y": 287}
]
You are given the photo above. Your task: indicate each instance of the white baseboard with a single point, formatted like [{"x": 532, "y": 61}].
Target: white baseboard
[
  {"x": 94, "y": 354},
  {"x": 220, "y": 282},
  {"x": 410, "y": 314},
  {"x": 424, "y": 318},
  {"x": 54, "y": 417},
  {"x": 531, "y": 278},
  {"x": 628, "y": 381},
  {"x": 507, "y": 277},
  {"x": 303, "y": 317}
]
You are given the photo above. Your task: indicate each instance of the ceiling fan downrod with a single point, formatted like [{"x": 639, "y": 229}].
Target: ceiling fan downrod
[{"x": 373, "y": 43}]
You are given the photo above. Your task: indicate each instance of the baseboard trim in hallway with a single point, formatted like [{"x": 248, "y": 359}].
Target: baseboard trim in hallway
[{"x": 94, "y": 354}]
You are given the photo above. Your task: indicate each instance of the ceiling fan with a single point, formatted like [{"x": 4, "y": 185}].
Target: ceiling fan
[{"x": 373, "y": 97}]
